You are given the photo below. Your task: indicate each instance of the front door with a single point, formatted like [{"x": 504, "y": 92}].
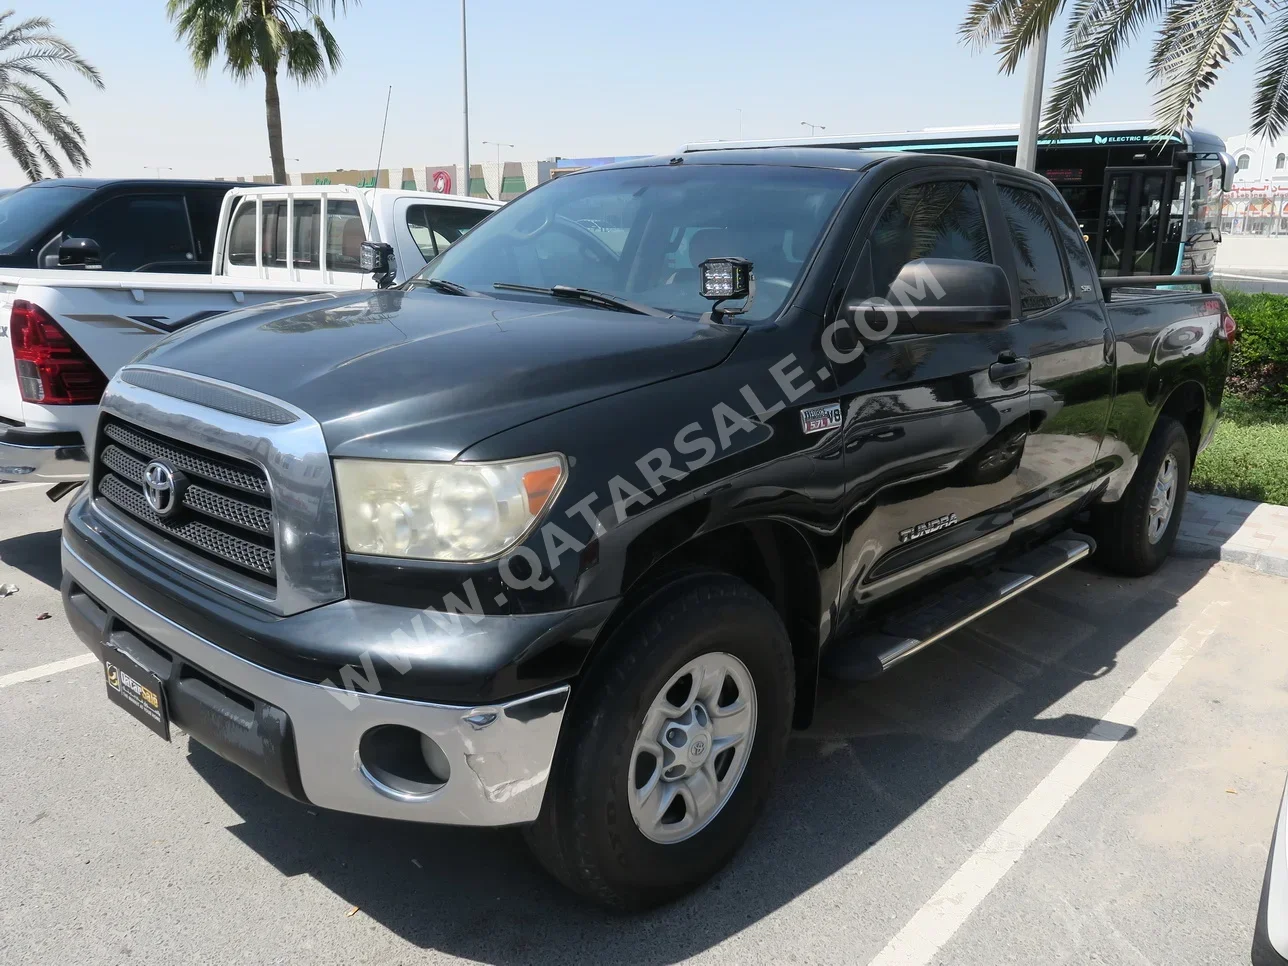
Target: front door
[
  {"x": 1140, "y": 236},
  {"x": 933, "y": 425}
]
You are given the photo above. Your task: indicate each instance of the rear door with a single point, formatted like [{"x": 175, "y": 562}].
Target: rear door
[
  {"x": 1063, "y": 333},
  {"x": 934, "y": 425}
]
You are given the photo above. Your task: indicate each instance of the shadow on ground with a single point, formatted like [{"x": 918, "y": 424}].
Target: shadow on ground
[
  {"x": 36, "y": 555},
  {"x": 877, "y": 753}
]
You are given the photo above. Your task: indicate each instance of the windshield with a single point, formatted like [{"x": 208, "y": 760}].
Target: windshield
[
  {"x": 640, "y": 233},
  {"x": 28, "y": 211}
]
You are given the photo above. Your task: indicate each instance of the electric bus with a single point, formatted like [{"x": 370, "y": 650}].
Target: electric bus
[{"x": 1148, "y": 204}]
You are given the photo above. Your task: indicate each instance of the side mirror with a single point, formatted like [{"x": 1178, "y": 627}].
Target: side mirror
[
  {"x": 1229, "y": 167},
  {"x": 377, "y": 258},
  {"x": 79, "y": 253},
  {"x": 936, "y": 295}
]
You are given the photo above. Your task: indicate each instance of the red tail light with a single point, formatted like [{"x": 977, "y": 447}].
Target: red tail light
[
  {"x": 52, "y": 369},
  {"x": 1229, "y": 328}
]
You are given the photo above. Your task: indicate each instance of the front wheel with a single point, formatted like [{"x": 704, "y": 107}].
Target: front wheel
[
  {"x": 1135, "y": 535},
  {"x": 671, "y": 745}
]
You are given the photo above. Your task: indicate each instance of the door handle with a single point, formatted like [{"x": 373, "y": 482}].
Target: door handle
[{"x": 1008, "y": 367}]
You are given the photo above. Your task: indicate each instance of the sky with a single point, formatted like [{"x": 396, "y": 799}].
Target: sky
[{"x": 571, "y": 78}]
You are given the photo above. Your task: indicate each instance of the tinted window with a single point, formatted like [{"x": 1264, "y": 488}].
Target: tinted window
[
  {"x": 26, "y": 214},
  {"x": 308, "y": 224},
  {"x": 435, "y": 227},
  {"x": 619, "y": 231},
  {"x": 203, "y": 210},
  {"x": 938, "y": 219},
  {"x": 241, "y": 235},
  {"x": 1039, "y": 269},
  {"x": 139, "y": 232},
  {"x": 344, "y": 236},
  {"x": 275, "y": 234}
]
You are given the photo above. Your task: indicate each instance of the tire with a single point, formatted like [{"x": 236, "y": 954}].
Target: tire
[
  {"x": 586, "y": 835},
  {"x": 1126, "y": 539}
]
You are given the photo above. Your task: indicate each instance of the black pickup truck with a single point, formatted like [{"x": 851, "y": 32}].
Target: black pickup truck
[{"x": 563, "y": 532}]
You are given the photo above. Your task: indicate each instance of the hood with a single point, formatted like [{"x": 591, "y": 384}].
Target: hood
[{"x": 421, "y": 375}]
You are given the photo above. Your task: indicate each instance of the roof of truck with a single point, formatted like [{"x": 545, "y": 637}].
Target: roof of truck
[{"x": 104, "y": 182}]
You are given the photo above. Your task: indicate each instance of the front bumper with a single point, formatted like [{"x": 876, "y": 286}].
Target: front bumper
[
  {"x": 303, "y": 738},
  {"x": 33, "y": 456}
]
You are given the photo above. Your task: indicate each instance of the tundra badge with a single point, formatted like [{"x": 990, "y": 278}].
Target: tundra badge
[{"x": 927, "y": 528}]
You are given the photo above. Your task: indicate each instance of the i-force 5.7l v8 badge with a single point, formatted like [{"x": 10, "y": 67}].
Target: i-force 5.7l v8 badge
[{"x": 818, "y": 419}]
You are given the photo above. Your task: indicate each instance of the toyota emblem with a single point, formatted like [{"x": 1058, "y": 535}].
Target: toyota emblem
[{"x": 163, "y": 487}]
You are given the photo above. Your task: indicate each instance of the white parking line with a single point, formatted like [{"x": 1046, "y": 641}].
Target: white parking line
[
  {"x": 934, "y": 924},
  {"x": 31, "y": 674},
  {"x": 10, "y": 487},
  {"x": 1252, "y": 278}
]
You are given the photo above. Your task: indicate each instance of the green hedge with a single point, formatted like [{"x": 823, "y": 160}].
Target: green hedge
[
  {"x": 1248, "y": 458},
  {"x": 1259, "y": 367}
]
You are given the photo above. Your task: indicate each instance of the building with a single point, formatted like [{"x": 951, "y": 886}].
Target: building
[
  {"x": 504, "y": 180},
  {"x": 1258, "y": 204}
]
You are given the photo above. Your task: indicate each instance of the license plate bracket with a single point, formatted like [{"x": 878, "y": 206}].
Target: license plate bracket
[{"x": 136, "y": 689}]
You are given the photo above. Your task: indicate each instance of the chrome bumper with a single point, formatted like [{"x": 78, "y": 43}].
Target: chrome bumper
[
  {"x": 499, "y": 755},
  {"x": 32, "y": 461}
]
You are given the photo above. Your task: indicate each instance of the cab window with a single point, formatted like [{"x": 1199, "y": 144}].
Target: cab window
[
  {"x": 434, "y": 227},
  {"x": 934, "y": 219},
  {"x": 1039, "y": 268},
  {"x": 344, "y": 236},
  {"x": 241, "y": 235}
]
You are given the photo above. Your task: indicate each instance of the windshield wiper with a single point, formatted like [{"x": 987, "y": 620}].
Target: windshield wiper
[
  {"x": 450, "y": 288},
  {"x": 589, "y": 296}
]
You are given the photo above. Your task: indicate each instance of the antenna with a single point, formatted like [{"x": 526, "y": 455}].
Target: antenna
[{"x": 375, "y": 175}]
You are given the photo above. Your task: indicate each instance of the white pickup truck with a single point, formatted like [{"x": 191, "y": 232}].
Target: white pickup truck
[{"x": 65, "y": 333}]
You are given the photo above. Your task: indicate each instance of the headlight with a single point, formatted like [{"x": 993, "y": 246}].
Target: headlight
[{"x": 443, "y": 511}]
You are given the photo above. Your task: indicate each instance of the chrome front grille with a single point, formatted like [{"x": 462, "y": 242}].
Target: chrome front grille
[
  {"x": 226, "y": 514},
  {"x": 258, "y": 520}
]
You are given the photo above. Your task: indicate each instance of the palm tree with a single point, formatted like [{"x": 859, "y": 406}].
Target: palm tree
[
  {"x": 1193, "y": 41},
  {"x": 265, "y": 35},
  {"x": 27, "y": 51}
]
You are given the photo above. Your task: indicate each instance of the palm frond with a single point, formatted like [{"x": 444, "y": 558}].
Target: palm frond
[
  {"x": 304, "y": 59},
  {"x": 36, "y": 132},
  {"x": 986, "y": 20},
  {"x": 11, "y": 134},
  {"x": 329, "y": 44},
  {"x": 1196, "y": 40},
  {"x": 1270, "y": 98},
  {"x": 1097, "y": 31},
  {"x": 1032, "y": 19}
]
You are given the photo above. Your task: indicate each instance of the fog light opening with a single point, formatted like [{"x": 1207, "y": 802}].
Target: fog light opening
[{"x": 402, "y": 763}]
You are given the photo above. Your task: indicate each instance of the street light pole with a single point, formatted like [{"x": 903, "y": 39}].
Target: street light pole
[
  {"x": 813, "y": 127},
  {"x": 498, "y": 145},
  {"x": 158, "y": 168},
  {"x": 465, "y": 94},
  {"x": 500, "y": 175},
  {"x": 1026, "y": 153}
]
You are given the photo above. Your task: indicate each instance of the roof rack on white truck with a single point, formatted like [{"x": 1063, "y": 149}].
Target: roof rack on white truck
[{"x": 69, "y": 331}]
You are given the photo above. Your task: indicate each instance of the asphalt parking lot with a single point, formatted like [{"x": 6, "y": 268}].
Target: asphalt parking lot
[{"x": 1087, "y": 775}]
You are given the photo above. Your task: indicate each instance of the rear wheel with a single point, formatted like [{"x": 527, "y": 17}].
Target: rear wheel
[
  {"x": 671, "y": 745},
  {"x": 1135, "y": 535}
]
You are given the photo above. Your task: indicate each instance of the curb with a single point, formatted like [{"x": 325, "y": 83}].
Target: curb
[{"x": 1266, "y": 563}]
